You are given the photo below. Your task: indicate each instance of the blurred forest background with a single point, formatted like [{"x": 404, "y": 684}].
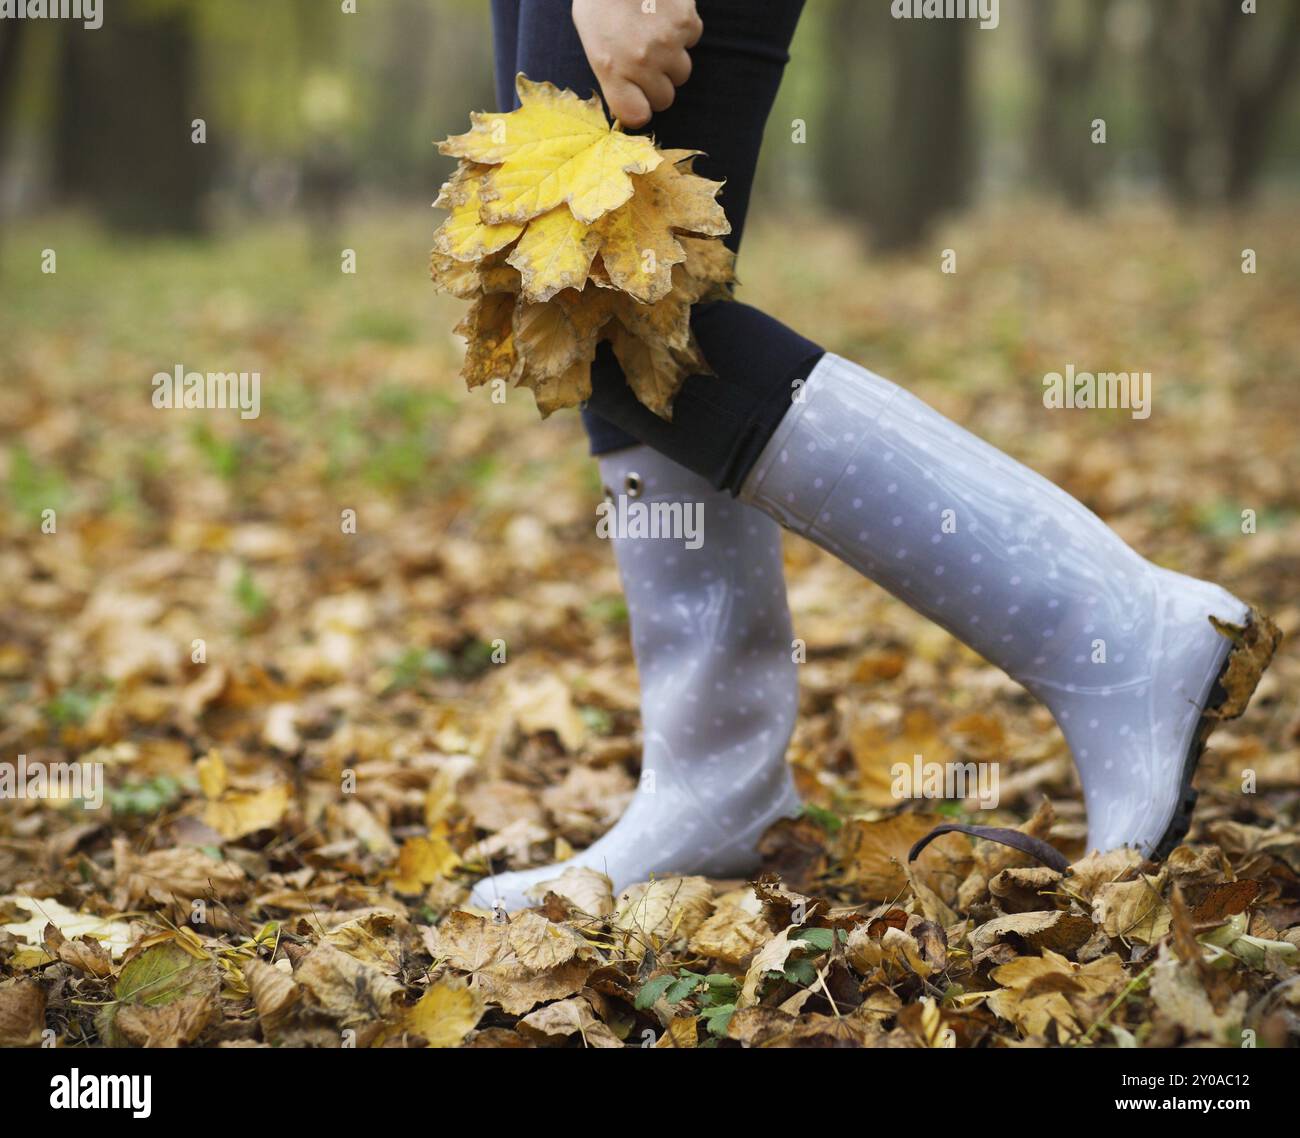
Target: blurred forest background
[{"x": 307, "y": 108}]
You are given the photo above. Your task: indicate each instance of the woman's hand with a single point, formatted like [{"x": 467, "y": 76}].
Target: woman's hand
[{"x": 637, "y": 48}]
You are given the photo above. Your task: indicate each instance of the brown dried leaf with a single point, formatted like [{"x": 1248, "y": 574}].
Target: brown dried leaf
[
  {"x": 22, "y": 1013},
  {"x": 733, "y": 933},
  {"x": 85, "y": 954},
  {"x": 1038, "y": 991},
  {"x": 1253, "y": 645},
  {"x": 182, "y": 875},
  {"x": 351, "y": 993},
  {"x": 652, "y": 370},
  {"x": 274, "y": 993},
  {"x": 540, "y": 945},
  {"x": 1178, "y": 994},
  {"x": 574, "y": 1016},
  {"x": 173, "y": 1025},
  {"x": 488, "y": 329},
  {"x": 1089, "y": 874},
  {"x": 655, "y": 914},
  {"x": 482, "y": 947},
  {"x": 1132, "y": 910},
  {"x": 1059, "y": 931},
  {"x": 588, "y": 890},
  {"x": 874, "y": 855}
]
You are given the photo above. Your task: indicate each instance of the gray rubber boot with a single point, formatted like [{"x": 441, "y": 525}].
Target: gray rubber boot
[
  {"x": 1121, "y": 651},
  {"x": 719, "y": 693}
]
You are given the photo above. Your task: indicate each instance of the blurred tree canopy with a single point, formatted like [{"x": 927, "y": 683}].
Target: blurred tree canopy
[{"x": 893, "y": 122}]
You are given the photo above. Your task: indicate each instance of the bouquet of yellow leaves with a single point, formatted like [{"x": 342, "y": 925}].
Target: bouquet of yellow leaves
[{"x": 565, "y": 231}]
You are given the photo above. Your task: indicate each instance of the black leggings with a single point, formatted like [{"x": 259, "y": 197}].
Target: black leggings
[{"x": 720, "y": 422}]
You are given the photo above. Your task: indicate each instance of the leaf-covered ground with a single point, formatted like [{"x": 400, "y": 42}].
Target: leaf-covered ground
[{"x": 295, "y": 806}]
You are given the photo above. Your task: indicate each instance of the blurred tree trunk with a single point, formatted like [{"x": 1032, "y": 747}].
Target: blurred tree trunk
[
  {"x": 898, "y": 146},
  {"x": 123, "y": 135},
  {"x": 1067, "y": 41},
  {"x": 1186, "y": 57},
  {"x": 327, "y": 157},
  {"x": 930, "y": 144},
  {"x": 72, "y": 141},
  {"x": 408, "y": 53},
  {"x": 1256, "y": 108},
  {"x": 1218, "y": 76},
  {"x": 848, "y": 151},
  {"x": 11, "y": 35}
]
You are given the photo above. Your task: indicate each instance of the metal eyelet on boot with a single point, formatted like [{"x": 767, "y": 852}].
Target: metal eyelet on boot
[
  {"x": 632, "y": 484},
  {"x": 609, "y": 494}
]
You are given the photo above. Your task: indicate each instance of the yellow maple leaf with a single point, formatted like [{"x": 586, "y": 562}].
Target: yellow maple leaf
[
  {"x": 707, "y": 272},
  {"x": 556, "y": 149},
  {"x": 421, "y": 862},
  {"x": 638, "y": 241},
  {"x": 550, "y": 199},
  {"x": 666, "y": 321},
  {"x": 448, "y": 1011},
  {"x": 690, "y": 201},
  {"x": 638, "y": 248},
  {"x": 464, "y": 236},
  {"x": 460, "y": 278},
  {"x": 238, "y": 813},
  {"x": 555, "y": 252}
]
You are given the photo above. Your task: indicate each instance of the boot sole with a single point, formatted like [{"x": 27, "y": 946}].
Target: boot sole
[{"x": 1253, "y": 646}]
